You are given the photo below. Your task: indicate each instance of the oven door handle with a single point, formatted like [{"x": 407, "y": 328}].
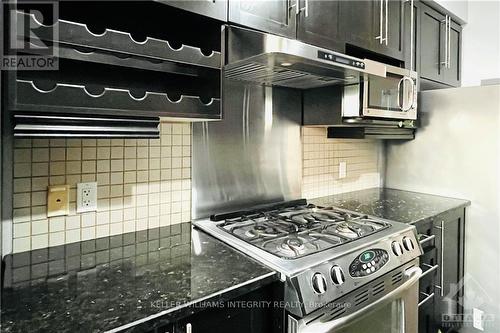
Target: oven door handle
[{"x": 413, "y": 274}]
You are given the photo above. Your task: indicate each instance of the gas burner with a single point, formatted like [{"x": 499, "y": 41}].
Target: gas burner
[
  {"x": 303, "y": 219},
  {"x": 292, "y": 246},
  {"x": 345, "y": 230},
  {"x": 262, "y": 231}
]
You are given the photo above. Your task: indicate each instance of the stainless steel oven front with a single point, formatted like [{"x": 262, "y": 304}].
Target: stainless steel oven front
[
  {"x": 388, "y": 304},
  {"x": 391, "y": 97}
]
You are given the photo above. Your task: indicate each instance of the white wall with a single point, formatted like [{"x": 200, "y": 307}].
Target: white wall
[
  {"x": 457, "y": 154},
  {"x": 481, "y": 42},
  {"x": 457, "y": 7}
]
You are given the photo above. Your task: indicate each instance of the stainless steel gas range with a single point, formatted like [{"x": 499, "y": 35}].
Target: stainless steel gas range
[{"x": 343, "y": 271}]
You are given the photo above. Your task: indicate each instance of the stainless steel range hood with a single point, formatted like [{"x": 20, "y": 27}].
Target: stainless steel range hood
[{"x": 278, "y": 61}]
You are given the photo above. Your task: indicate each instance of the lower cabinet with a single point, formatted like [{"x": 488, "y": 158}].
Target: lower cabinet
[
  {"x": 441, "y": 288},
  {"x": 250, "y": 313},
  {"x": 450, "y": 246}
]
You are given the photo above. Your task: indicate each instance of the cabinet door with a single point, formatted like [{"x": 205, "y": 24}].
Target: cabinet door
[
  {"x": 229, "y": 317},
  {"x": 321, "y": 26},
  {"x": 431, "y": 44},
  {"x": 452, "y": 73},
  {"x": 358, "y": 21},
  {"x": 216, "y": 9},
  {"x": 450, "y": 245},
  {"x": 224, "y": 321},
  {"x": 393, "y": 29},
  {"x": 411, "y": 49},
  {"x": 275, "y": 16}
]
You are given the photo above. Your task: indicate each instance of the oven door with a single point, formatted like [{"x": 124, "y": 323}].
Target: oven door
[
  {"x": 394, "y": 312},
  {"x": 393, "y": 96}
]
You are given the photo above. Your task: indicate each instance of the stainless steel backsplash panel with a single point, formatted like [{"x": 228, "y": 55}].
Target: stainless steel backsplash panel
[{"x": 253, "y": 156}]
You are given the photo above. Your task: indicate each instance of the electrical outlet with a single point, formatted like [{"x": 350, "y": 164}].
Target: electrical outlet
[
  {"x": 57, "y": 200},
  {"x": 86, "y": 197},
  {"x": 477, "y": 318},
  {"x": 342, "y": 169}
]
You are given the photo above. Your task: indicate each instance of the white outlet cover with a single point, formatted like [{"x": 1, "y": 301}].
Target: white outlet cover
[
  {"x": 86, "y": 197},
  {"x": 342, "y": 170},
  {"x": 477, "y": 317}
]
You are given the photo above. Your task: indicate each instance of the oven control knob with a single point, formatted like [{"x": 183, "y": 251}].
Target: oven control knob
[
  {"x": 397, "y": 249},
  {"x": 408, "y": 244},
  {"x": 319, "y": 283},
  {"x": 337, "y": 275}
]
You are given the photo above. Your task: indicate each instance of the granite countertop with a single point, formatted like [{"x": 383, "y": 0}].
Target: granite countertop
[
  {"x": 131, "y": 282},
  {"x": 391, "y": 204}
]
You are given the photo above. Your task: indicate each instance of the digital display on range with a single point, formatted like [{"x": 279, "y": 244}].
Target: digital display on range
[{"x": 367, "y": 256}]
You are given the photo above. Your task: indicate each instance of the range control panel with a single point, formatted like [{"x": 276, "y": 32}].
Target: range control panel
[
  {"x": 368, "y": 262},
  {"x": 341, "y": 60}
]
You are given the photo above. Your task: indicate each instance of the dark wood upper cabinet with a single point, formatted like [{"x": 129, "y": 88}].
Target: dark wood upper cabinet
[
  {"x": 439, "y": 46},
  {"x": 393, "y": 28},
  {"x": 452, "y": 73},
  {"x": 358, "y": 22},
  {"x": 321, "y": 25},
  {"x": 384, "y": 28},
  {"x": 216, "y": 9},
  {"x": 377, "y": 26},
  {"x": 411, "y": 35},
  {"x": 276, "y": 17},
  {"x": 431, "y": 43}
]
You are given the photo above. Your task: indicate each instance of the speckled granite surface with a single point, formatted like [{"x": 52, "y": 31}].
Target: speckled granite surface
[
  {"x": 117, "y": 282},
  {"x": 395, "y": 205}
]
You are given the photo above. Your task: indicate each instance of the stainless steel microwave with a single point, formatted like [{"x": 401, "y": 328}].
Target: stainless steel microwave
[{"x": 391, "y": 97}]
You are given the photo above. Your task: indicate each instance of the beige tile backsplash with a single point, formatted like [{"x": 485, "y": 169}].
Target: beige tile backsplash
[
  {"x": 142, "y": 184},
  {"x": 146, "y": 183},
  {"x": 321, "y": 158}
]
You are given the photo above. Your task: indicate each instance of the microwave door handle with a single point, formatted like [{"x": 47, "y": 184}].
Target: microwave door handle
[
  {"x": 414, "y": 274},
  {"x": 412, "y": 85},
  {"x": 401, "y": 107},
  {"x": 412, "y": 92}
]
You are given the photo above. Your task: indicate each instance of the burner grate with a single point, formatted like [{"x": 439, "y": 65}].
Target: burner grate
[{"x": 292, "y": 232}]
